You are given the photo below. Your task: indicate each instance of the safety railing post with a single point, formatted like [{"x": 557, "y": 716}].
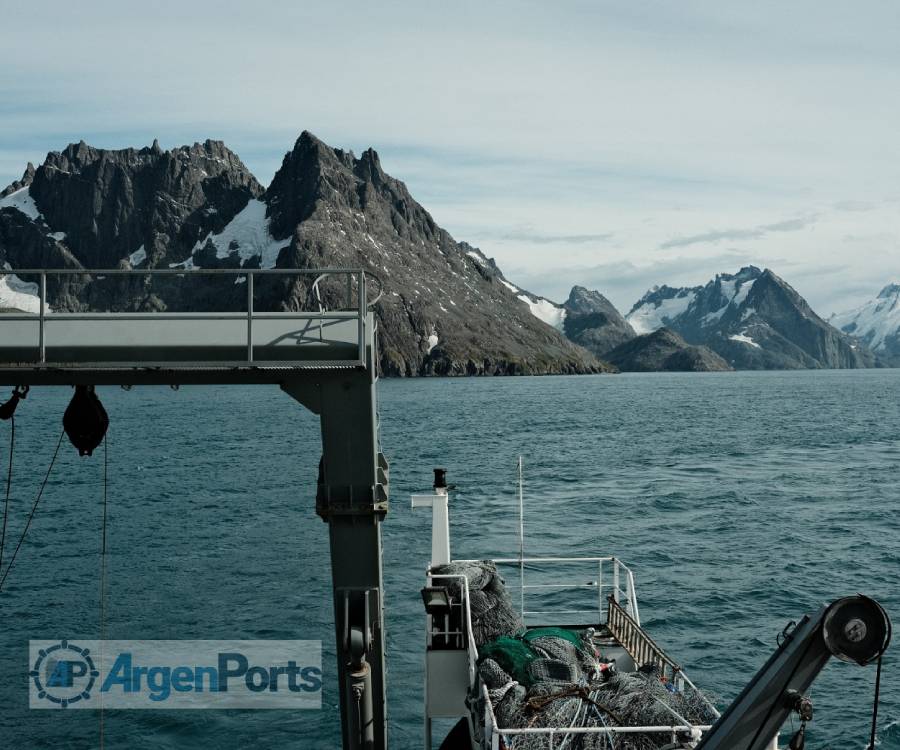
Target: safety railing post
[
  {"x": 632, "y": 599},
  {"x": 600, "y": 592},
  {"x": 43, "y": 312},
  {"x": 361, "y": 294},
  {"x": 616, "y": 579},
  {"x": 250, "y": 317}
]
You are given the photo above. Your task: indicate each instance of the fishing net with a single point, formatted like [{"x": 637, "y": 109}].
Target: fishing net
[
  {"x": 493, "y": 614},
  {"x": 557, "y": 678}
]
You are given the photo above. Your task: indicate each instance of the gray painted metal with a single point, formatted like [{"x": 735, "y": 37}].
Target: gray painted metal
[
  {"x": 47, "y": 344},
  {"x": 325, "y": 360}
]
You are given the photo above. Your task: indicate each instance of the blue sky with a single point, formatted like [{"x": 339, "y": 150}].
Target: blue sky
[{"x": 611, "y": 144}]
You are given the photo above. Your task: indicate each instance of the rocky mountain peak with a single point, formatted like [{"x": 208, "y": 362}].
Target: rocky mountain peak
[
  {"x": 27, "y": 179},
  {"x": 583, "y": 301},
  {"x": 891, "y": 290}
]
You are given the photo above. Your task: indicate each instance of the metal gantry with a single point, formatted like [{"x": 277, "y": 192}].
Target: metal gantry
[{"x": 324, "y": 359}]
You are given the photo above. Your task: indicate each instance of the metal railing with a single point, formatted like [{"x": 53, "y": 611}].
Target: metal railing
[
  {"x": 356, "y": 309},
  {"x": 640, "y": 646},
  {"x": 612, "y": 577}
]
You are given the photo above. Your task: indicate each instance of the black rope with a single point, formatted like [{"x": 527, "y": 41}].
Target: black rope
[
  {"x": 33, "y": 509},
  {"x": 875, "y": 705},
  {"x": 12, "y": 443}
]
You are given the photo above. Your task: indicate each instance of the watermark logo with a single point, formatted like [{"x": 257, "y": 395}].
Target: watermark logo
[
  {"x": 175, "y": 674},
  {"x": 63, "y": 674}
]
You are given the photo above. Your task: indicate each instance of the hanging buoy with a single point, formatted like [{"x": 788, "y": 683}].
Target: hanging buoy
[
  {"x": 85, "y": 420},
  {"x": 9, "y": 408}
]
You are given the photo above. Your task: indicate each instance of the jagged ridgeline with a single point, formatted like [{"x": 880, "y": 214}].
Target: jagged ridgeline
[{"x": 445, "y": 309}]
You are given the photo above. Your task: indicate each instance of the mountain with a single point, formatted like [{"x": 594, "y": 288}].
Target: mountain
[
  {"x": 592, "y": 321},
  {"x": 445, "y": 309},
  {"x": 753, "y": 319},
  {"x": 876, "y": 324},
  {"x": 664, "y": 350}
]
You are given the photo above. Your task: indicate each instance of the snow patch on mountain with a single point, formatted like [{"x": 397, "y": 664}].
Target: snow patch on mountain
[
  {"x": 16, "y": 294},
  {"x": 647, "y": 317},
  {"x": 21, "y": 199},
  {"x": 137, "y": 257},
  {"x": 744, "y": 339},
  {"x": 543, "y": 309},
  {"x": 247, "y": 234}
]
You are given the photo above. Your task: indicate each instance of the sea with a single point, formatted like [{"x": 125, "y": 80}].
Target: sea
[{"x": 740, "y": 500}]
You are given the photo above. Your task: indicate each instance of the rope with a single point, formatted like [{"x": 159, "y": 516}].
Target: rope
[
  {"x": 33, "y": 509},
  {"x": 103, "y": 574},
  {"x": 12, "y": 443},
  {"x": 871, "y": 745}
]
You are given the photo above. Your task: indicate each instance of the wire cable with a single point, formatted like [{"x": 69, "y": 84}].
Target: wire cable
[
  {"x": 12, "y": 443},
  {"x": 871, "y": 745},
  {"x": 103, "y": 557},
  {"x": 33, "y": 509}
]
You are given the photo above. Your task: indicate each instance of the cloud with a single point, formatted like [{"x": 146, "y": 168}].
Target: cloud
[
  {"x": 756, "y": 233},
  {"x": 853, "y": 206},
  {"x": 537, "y": 238}
]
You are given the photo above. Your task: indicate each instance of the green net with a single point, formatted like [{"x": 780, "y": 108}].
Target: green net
[
  {"x": 512, "y": 654},
  {"x": 573, "y": 637}
]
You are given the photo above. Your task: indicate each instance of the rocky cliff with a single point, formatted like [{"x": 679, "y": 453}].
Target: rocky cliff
[
  {"x": 664, "y": 350},
  {"x": 446, "y": 308},
  {"x": 593, "y": 322}
]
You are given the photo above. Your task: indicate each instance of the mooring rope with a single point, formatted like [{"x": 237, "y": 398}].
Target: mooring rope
[
  {"x": 33, "y": 509},
  {"x": 12, "y": 444}
]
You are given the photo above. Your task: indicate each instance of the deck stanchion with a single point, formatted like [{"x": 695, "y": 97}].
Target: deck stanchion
[
  {"x": 616, "y": 579},
  {"x": 361, "y": 294},
  {"x": 250, "y": 317},
  {"x": 43, "y": 312}
]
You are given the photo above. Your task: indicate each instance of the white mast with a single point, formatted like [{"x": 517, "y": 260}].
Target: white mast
[{"x": 521, "y": 541}]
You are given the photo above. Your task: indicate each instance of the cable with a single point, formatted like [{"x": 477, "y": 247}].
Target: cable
[
  {"x": 875, "y": 705},
  {"x": 103, "y": 574},
  {"x": 12, "y": 443},
  {"x": 33, "y": 509}
]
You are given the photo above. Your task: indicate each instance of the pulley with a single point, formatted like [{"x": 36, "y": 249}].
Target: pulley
[
  {"x": 85, "y": 420},
  {"x": 856, "y": 629}
]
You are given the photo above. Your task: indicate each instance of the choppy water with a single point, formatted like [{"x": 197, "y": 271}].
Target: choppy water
[{"x": 741, "y": 500}]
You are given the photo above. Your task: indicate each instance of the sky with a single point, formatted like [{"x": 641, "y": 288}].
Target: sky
[{"x": 614, "y": 145}]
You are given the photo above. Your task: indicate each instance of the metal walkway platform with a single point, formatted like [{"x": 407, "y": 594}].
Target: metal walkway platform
[{"x": 58, "y": 347}]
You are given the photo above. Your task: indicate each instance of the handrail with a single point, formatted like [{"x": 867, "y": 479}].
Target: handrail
[
  {"x": 634, "y": 639},
  {"x": 495, "y": 731},
  {"x": 44, "y": 317},
  {"x": 629, "y": 592}
]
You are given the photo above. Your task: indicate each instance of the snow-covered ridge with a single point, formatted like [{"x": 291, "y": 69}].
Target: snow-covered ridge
[
  {"x": 662, "y": 306},
  {"x": 651, "y": 316},
  {"x": 543, "y": 309},
  {"x": 875, "y": 322},
  {"x": 22, "y": 200},
  {"x": 247, "y": 234}
]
